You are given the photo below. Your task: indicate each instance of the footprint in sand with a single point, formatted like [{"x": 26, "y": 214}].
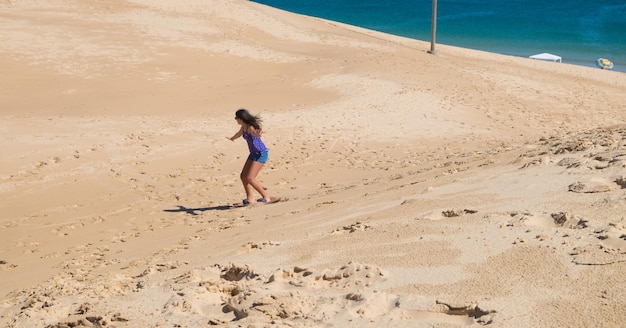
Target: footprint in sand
[
  {"x": 250, "y": 246},
  {"x": 357, "y": 226},
  {"x": 598, "y": 254},
  {"x": 595, "y": 185},
  {"x": 4, "y": 265},
  {"x": 161, "y": 267},
  {"x": 561, "y": 219}
]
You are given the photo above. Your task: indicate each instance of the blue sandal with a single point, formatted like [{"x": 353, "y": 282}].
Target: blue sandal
[{"x": 243, "y": 203}]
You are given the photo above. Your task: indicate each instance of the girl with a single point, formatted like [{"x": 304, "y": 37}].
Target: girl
[{"x": 251, "y": 131}]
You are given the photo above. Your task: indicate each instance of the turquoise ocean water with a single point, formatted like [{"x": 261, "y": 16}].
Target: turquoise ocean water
[{"x": 578, "y": 31}]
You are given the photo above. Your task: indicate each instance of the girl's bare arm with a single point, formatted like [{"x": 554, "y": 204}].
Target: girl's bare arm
[{"x": 236, "y": 135}]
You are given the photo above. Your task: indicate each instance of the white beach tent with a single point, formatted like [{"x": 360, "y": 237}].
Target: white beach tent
[{"x": 546, "y": 56}]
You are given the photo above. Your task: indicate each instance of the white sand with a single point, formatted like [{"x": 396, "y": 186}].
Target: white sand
[{"x": 461, "y": 189}]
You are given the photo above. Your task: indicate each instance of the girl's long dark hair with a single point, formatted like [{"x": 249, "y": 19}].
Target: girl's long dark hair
[{"x": 249, "y": 119}]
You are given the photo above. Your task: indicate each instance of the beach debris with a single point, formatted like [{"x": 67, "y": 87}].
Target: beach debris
[
  {"x": 457, "y": 212},
  {"x": 590, "y": 187},
  {"x": 237, "y": 273},
  {"x": 567, "y": 220},
  {"x": 471, "y": 310}
]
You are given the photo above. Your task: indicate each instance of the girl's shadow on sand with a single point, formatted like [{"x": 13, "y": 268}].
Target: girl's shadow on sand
[{"x": 193, "y": 211}]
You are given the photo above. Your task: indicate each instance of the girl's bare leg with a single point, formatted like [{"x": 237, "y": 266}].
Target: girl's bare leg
[{"x": 248, "y": 178}]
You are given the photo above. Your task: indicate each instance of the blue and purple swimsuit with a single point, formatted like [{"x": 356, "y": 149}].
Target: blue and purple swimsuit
[{"x": 258, "y": 150}]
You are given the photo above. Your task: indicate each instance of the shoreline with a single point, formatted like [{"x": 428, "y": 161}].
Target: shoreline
[{"x": 482, "y": 45}]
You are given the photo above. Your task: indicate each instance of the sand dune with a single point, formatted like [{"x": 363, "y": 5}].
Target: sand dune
[{"x": 462, "y": 189}]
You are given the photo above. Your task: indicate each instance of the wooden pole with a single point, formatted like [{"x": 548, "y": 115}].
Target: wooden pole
[{"x": 433, "y": 30}]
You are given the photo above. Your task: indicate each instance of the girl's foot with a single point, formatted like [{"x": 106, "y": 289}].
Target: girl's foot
[
  {"x": 264, "y": 200},
  {"x": 244, "y": 202}
]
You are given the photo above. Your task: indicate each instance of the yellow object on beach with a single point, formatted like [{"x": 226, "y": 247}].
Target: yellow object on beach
[{"x": 605, "y": 64}]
